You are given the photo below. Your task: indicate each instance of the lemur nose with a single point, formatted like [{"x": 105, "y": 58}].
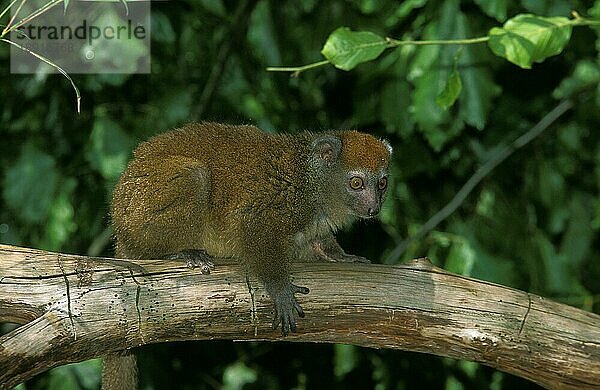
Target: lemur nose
[{"x": 373, "y": 211}]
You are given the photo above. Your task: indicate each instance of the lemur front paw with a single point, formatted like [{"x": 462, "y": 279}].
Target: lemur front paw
[
  {"x": 195, "y": 258},
  {"x": 287, "y": 307}
]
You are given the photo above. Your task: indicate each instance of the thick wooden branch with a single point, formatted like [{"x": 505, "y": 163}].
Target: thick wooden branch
[{"x": 74, "y": 308}]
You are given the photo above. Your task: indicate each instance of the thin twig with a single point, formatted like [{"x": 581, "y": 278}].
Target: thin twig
[
  {"x": 12, "y": 19},
  {"x": 8, "y": 7},
  {"x": 100, "y": 242},
  {"x": 480, "y": 174},
  {"x": 55, "y": 66},
  {"x": 33, "y": 15},
  {"x": 296, "y": 70},
  {"x": 237, "y": 25}
]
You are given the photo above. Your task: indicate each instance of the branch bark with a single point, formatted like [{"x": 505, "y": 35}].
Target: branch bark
[{"x": 74, "y": 308}]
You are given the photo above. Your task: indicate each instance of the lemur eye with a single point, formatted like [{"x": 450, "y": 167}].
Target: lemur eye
[
  {"x": 382, "y": 183},
  {"x": 356, "y": 183}
]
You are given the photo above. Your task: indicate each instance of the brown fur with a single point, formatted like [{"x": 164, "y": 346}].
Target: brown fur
[
  {"x": 198, "y": 186},
  {"x": 362, "y": 150},
  {"x": 227, "y": 189},
  {"x": 119, "y": 372},
  {"x": 236, "y": 191}
]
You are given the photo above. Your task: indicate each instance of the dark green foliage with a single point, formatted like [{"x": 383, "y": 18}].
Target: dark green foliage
[{"x": 532, "y": 223}]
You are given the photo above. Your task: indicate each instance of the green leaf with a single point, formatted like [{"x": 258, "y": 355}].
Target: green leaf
[
  {"x": 61, "y": 223},
  {"x": 345, "y": 359},
  {"x": 478, "y": 87},
  {"x": 526, "y": 38},
  {"x": 478, "y": 93},
  {"x": 426, "y": 56},
  {"x": 127, "y": 55},
  {"x": 485, "y": 203},
  {"x": 162, "y": 29},
  {"x": 428, "y": 115},
  {"x": 479, "y": 259},
  {"x": 83, "y": 375},
  {"x": 570, "y": 136},
  {"x": 108, "y": 148},
  {"x": 552, "y": 186},
  {"x": 557, "y": 270},
  {"x": 368, "y": 6},
  {"x": 262, "y": 34},
  {"x": 596, "y": 221},
  {"x": 450, "y": 93},
  {"x": 30, "y": 184},
  {"x": 586, "y": 74},
  {"x": 394, "y": 111},
  {"x": 437, "y": 126},
  {"x": 496, "y": 9},
  {"x": 238, "y": 375},
  {"x": 577, "y": 240},
  {"x": 345, "y": 48},
  {"x": 403, "y": 10},
  {"x": 595, "y": 10},
  {"x": 548, "y": 7},
  {"x": 62, "y": 378},
  {"x": 215, "y": 7},
  {"x": 461, "y": 257}
]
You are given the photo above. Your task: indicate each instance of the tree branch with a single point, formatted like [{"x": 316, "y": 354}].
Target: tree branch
[
  {"x": 74, "y": 308},
  {"x": 499, "y": 157}
]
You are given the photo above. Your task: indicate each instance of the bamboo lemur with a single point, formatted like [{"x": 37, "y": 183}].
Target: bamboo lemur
[{"x": 211, "y": 190}]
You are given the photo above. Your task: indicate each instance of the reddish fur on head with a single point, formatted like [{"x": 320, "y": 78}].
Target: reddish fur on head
[{"x": 360, "y": 150}]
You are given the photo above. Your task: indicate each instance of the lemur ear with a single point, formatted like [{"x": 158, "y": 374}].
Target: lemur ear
[
  {"x": 387, "y": 146},
  {"x": 326, "y": 150}
]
